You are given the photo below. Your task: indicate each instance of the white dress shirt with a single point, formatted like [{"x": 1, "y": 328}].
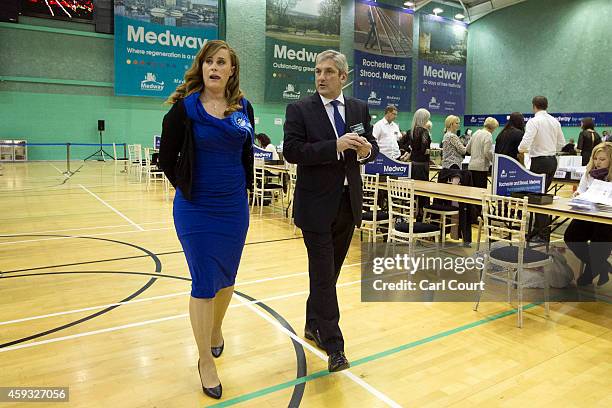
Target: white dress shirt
[
  {"x": 386, "y": 134},
  {"x": 330, "y": 114},
  {"x": 543, "y": 136}
]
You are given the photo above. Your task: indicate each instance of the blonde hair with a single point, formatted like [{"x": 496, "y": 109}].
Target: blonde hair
[
  {"x": 491, "y": 123},
  {"x": 450, "y": 119},
  {"x": 605, "y": 147},
  {"x": 194, "y": 80},
  {"x": 428, "y": 125}
]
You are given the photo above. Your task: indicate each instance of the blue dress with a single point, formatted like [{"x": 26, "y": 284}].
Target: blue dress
[{"x": 212, "y": 227}]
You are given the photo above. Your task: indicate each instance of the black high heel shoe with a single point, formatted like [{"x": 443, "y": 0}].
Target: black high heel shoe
[
  {"x": 213, "y": 392},
  {"x": 216, "y": 351}
]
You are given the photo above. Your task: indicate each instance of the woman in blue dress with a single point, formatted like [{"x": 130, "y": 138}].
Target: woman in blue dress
[{"x": 206, "y": 153}]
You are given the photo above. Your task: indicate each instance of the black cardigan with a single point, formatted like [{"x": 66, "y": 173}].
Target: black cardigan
[
  {"x": 176, "y": 150},
  {"x": 421, "y": 141}
]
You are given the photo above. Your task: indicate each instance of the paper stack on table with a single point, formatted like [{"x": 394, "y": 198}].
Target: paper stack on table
[{"x": 598, "y": 197}]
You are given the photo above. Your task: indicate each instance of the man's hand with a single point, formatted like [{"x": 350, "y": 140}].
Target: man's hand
[
  {"x": 350, "y": 141},
  {"x": 363, "y": 151}
]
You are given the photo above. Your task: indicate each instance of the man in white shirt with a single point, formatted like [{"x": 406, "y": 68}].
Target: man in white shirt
[
  {"x": 387, "y": 133},
  {"x": 543, "y": 138}
]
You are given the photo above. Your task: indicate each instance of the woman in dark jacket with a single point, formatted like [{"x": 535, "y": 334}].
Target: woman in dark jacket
[
  {"x": 510, "y": 137},
  {"x": 206, "y": 152},
  {"x": 587, "y": 140},
  {"x": 420, "y": 144}
]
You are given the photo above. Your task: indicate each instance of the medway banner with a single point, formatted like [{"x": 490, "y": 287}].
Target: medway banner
[
  {"x": 441, "y": 78},
  {"x": 510, "y": 176},
  {"x": 296, "y": 31},
  {"x": 383, "y": 55},
  {"x": 566, "y": 119},
  {"x": 154, "y": 46}
]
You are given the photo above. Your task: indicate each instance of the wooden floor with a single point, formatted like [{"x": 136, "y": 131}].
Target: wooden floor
[{"x": 71, "y": 250}]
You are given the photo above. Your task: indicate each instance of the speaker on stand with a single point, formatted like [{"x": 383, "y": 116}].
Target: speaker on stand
[{"x": 100, "y": 152}]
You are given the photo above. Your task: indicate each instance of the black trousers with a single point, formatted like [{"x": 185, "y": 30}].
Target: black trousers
[
  {"x": 420, "y": 171},
  {"x": 479, "y": 178},
  {"x": 546, "y": 165},
  {"x": 595, "y": 253},
  {"x": 326, "y": 253}
]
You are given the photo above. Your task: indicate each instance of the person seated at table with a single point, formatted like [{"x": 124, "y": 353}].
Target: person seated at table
[
  {"x": 480, "y": 149},
  {"x": 570, "y": 148},
  {"x": 263, "y": 141},
  {"x": 510, "y": 137},
  {"x": 452, "y": 148},
  {"x": 591, "y": 242}
]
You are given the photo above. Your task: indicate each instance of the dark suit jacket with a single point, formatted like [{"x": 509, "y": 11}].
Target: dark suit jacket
[{"x": 310, "y": 142}]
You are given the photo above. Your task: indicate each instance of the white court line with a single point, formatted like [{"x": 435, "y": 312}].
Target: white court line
[
  {"x": 86, "y": 309},
  {"x": 61, "y": 172},
  {"x": 130, "y": 302},
  {"x": 87, "y": 236},
  {"x": 79, "y": 229},
  {"x": 83, "y": 236},
  {"x": 112, "y": 208},
  {"x": 386, "y": 399},
  {"x": 16, "y": 234},
  {"x": 146, "y": 322}
]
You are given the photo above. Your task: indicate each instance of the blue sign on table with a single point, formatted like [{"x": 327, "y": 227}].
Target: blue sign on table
[
  {"x": 510, "y": 176},
  {"x": 156, "y": 142},
  {"x": 260, "y": 153},
  {"x": 566, "y": 119},
  {"x": 388, "y": 167}
]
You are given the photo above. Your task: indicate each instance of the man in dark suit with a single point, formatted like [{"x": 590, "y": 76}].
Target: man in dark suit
[{"x": 328, "y": 135}]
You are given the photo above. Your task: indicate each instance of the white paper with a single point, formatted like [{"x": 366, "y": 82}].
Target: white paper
[{"x": 599, "y": 192}]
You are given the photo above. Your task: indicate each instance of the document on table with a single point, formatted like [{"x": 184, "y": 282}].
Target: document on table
[{"x": 599, "y": 192}]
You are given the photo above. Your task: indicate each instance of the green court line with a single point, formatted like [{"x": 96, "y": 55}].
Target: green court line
[
  {"x": 56, "y": 30},
  {"x": 367, "y": 359},
  {"x": 56, "y": 81}
]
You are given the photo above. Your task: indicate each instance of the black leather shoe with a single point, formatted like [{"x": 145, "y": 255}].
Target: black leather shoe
[
  {"x": 337, "y": 362},
  {"x": 213, "y": 392},
  {"x": 313, "y": 335},
  {"x": 216, "y": 351}
]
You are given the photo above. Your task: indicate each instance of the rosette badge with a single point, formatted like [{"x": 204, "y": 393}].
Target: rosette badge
[{"x": 240, "y": 121}]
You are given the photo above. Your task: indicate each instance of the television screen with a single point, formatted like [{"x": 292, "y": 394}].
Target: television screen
[{"x": 60, "y": 9}]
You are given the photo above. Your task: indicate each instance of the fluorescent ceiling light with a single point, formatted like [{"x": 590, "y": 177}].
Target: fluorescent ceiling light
[
  {"x": 437, "y": 10},
  {"x": 459, "y": 16},
  {"x": 409, "y": 4}
]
